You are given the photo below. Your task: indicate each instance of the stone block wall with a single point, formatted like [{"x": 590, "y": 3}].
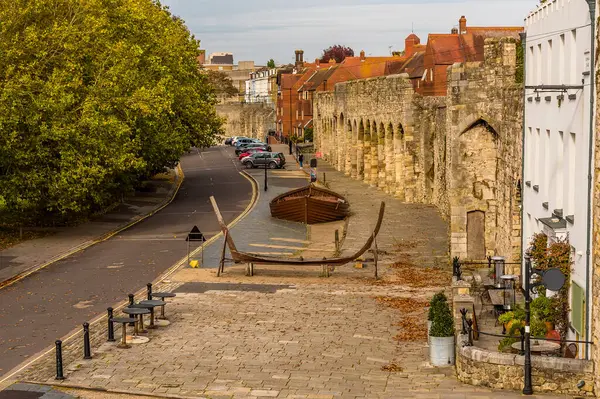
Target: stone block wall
[
  {"x": 249, "y": 120},
  {"x": 555, "y": 375},
  {"x": 460, "y": 152}
]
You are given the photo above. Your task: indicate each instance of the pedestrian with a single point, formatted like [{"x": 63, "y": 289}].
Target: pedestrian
[
  {"x": 290, "y": 147},
  {"x": 301, "y": 159}
]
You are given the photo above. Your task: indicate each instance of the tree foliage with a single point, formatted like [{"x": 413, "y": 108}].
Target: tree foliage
[
  {"x": 271, "y": 63},
  {"x": 337, "y": 52},
  {"x": 222, "y": 84},
  {"x": 94, "y": 95}
]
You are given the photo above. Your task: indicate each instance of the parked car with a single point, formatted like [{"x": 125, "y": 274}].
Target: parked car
[
  {"x": 274, "y": 160},
  {"x": 228, "y": 140},
  {"x": 245, "y": 147},
  {"x": 243, "y": 140},
  {"x": 250, "y": 151}
]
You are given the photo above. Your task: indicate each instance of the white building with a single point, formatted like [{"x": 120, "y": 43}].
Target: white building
[
  {"x": 558, "y": 120},
  {"x": 259, "y": 88}
]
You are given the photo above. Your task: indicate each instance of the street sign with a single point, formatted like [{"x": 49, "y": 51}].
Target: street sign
[
  {"x": 313, "y": 163},
  {"x": 195, "y": 235},
  {"x": 553, "y": 279}
]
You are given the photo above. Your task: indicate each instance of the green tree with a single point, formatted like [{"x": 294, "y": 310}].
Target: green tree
[
  {"x": 271, "y": 63},
  {"x": 222, "y": 84},
  {"x": 94, "y": 95}
]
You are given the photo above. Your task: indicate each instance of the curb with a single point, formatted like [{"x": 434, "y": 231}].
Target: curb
[
  {"x": 170, "y": 197},
  {"x": 78, "y": 331}
]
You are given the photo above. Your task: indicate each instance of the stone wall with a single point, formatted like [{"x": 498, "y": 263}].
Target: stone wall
[
  {"x": 460, "y": 152},
  {"x": 556, "y": 375},
  {"x": 249, "y": 120}
]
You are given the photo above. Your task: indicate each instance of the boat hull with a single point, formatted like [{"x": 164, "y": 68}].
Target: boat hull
[{"x": 310, "y": 205}]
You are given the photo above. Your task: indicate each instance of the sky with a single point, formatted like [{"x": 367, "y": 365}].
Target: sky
[{"x": 259, "y": 30}]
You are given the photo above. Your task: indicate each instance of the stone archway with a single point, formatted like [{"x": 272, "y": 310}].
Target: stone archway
[
  {"x": 367, "y": 153},
  {"x": 342, "y": 147},
  {"x": 399, "y": 161},
  {"x": 374, "y": 155},
  {"x": 360, "y": 161},
  {"x": 390, "y": 159},
  {"x": 472, "y": 194},
  {"x": 381, "y": 155},
  {"x": 351, "y": 149}
]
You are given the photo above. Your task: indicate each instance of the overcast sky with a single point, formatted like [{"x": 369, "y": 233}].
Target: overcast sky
[{"x": 262, "y": 29}]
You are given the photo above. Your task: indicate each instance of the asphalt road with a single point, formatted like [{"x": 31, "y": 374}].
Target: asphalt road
[{"x": 48, "y": 304}]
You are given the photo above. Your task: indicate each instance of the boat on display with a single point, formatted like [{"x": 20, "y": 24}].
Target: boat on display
[{"x": 310, "y": 205}]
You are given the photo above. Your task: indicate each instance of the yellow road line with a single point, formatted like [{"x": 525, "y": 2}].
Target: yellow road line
[{"x": 167, "y": 273}]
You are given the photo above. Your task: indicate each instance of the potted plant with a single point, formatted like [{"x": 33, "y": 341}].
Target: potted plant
[
  {"x": 541, "y": 309},
  {"x": 433, "y": 304},
  {"x": 441, "y": 335}
]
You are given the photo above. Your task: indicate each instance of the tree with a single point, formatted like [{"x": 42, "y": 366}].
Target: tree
[
  {"x": 222, "y": 84},
  {"x": 271, "y": 63},
  {"x": 337, "y": 52},
  {"x": 94, "y": 96}
]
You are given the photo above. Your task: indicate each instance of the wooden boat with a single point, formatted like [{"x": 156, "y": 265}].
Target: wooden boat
[
  {"x": 250, "y": 258},
  {"x": 310, "y": 205}
]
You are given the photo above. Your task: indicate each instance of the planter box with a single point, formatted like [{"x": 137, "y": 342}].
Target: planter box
[{"x": 441, "y": 351}]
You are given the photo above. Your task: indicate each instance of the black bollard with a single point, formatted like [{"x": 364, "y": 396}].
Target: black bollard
[
  {"x": 149, "y": 285},
  {"x": 59, "y": 363},
  {"x": 130, "y": 304},
  {"x": 111, "y": 327},
  {"x": 87, "y": 350}
]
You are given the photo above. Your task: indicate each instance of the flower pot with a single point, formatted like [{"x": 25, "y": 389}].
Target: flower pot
[{"x": 441, "y": 351}]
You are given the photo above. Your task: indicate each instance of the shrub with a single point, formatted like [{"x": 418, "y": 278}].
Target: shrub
[
  {"x": 435, "y": 301},
  {"x": 443, "y": 323}
]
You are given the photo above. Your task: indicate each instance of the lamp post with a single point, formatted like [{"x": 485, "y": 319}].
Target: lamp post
[
  {"x": 498, "y": 269},
  {"x": 266, "y": 184},
  {"x": 553, "y": 279}
]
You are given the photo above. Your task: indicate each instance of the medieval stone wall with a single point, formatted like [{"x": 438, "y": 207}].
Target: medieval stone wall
[
  {"x": 249, "y": 120},
  {"x": 460, "y": 152}
]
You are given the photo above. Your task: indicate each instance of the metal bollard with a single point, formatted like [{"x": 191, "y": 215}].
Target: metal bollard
[
  {"x": 149, "y": 285},
  {"x": 130, "y": 304},
  {"x": 59, "y": 362},
  {"x": 111, "y": 327},
  {"x": 87, "y": 350}
]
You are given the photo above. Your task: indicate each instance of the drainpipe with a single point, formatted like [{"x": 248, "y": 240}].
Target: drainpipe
[
  {"x": 592, "y": 6},
  {"x": 523, "y": 36}
]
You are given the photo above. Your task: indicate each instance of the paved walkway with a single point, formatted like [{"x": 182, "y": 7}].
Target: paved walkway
[
  {"x": 32, "y": 254},
  {"x": 286, "y": 332}
]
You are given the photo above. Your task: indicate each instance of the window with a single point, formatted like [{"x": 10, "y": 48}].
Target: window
[
  {"x": 558, "y": 180},
  {"x": 571, "y": 174},
  {"x": 561, "y": 59},
  {"x": 549, "y": 63},
  {"x": 573, "y": 57},
  {"x": 546, "y": 182},
  {"x": 532, "y": 68},
  {"x": 536, "y": 158},
  {"x": 538, "y": 76},
  {"x": 529, "y": 165}
]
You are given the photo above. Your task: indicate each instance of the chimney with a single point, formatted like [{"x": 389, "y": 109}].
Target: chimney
[
  {"x": 299, "y": 59},
  {"x": 409, "y": 44},
  {"x": 202, "y": 57},
  {"x": 462, "y": 25},
  {"x": 454, "y": 31},
  {"x": 318, "y": 62},
  {"x": 362, "y": 55},
  {"x": 332, "y": 60}
]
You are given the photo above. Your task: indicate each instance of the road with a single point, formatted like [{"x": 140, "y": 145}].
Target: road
[{"x": 53, "y": 301}]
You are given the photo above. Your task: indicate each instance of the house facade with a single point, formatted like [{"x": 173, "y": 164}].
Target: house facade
[
  {"x": 558, "y": 131},
  {"x": 260, "y": 86}
]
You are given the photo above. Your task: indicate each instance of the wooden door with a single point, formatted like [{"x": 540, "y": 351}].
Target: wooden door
[{"x": 476, "y": 235}]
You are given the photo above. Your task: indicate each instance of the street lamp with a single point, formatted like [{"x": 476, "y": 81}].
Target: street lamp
[
  {"x": 499, "y": 270},
  {"x": 553, "y": 279}
]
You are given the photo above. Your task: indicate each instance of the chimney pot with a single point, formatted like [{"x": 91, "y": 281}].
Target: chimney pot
[
  {"x": 362, "y": 55},
  {"x": 462, "y": 25},
  {"x": 332, "y": 60}
]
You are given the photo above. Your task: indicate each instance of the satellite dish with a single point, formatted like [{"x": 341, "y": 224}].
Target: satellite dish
[{"x": 553, "y": 279}]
